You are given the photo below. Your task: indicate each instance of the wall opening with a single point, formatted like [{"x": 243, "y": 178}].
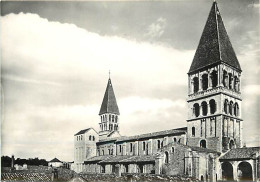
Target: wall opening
[
  {"x": 236, "y": 109},
  {"x": 193, "y": 131},
  {"x": 225, "y": 78},
  {"x": 212, "y": 105},
  {"x": 204, "y": 108},
  {"x": 196, "y": 108},
  {"x": 231, "y": 144},
  {"x": 214, "y": 78},
  {"x": 230, "y": 76},
  {"x": 205, "y": 81},
  {"x": 231, "y": 108},
  {"x": 227, "y": 171},
  {"x": 226, "y": 106},
  {"x": 203, "y": 144},
  {"x": 166, "y": 157},
  {"x": 244, "y": 171},
  {"x": 195, "y": 84}
]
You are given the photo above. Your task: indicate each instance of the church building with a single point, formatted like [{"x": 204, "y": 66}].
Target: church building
[{"x": 209, "y": 148}]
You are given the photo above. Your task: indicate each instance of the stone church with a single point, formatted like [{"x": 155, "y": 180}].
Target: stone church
[{"x": 210, "y": 148}]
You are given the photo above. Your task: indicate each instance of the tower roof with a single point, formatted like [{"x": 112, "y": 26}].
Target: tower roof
[
  {"x": 214, "y": 46},
  {"x": 109, "y": 104}
]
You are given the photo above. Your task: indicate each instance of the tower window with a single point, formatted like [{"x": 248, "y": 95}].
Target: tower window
[
  {"x": 214, "y": 78},
  {"x": 204, "y": 108},
  {"x": 226, "y": 106},
  {"x": 231, "y": 108},
  {"x": 236, "y": 109},
  {"x": 116, "y": 119},
  {"x": 236, "y": 80},
  {"x": 203, "y": 143},
  {"x": 230, "y": 80},
  {"x": 131, "y": 147},
  {"x": 89, "y": 138},
  {"x": 143, "y": 145},
  {"x": 212, "y": 105},
  {"x": 205, "y": 81},
  {"x": 93, "y": 138},
  {"x": 109, "y": 117},
  {"x": 120, "y": 148},
  {"x": 225, "y": 78},
  {"x": 195, "y": 84},
  {"x": 103, "y": 152},
  {"x": 193, "y": 131},
  {"x": 162, "y": 144},
  {"x": 113, "y": 118},
  {"x": 196, "y": 110}
]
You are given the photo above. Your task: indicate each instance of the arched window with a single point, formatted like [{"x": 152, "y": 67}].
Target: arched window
[
  {"x": 203, "y": 144},
  {"x": 143, "y": 145},
  {"x": 195, "y": 84},
  {"x": 205, "y": 81},
  {"x": 103, "y": 152},
  {"x": 116, "y": 119},
  {"x": 230, "y": 76},
  {"x": 89, "y": 138},
  {"x": 193, "y": 131},
  {"x": 204, "y": 108},
  {"x": 105, "y": 117},
  {"x": 236, "y": 109},
  {"x": 166, "y": 157},
  {"x": 101, "y": 117},
  {"x": 174, "y": 139},
  {"x": 93, "y": 138},
  {"x": 226, "y": 106},
  {"x": 161, "y": 144},
  {"x": 196, "y": 109},
  {"x": 235, "y": 83},
  {"x": 225, "y": 78},
  {"x": 212, "y": 105},
  {"x": 120, "y": 148},
  {"x": 131, "y": 147},
  {"x": 172, "y": 149},
  {"x": 231, "y": 108},
  {"x": 113, "y": 117},
  {"x": 214, "y": 78},
  {"x": 231, "y": 144},
  {"x": 158, "y": 144}
]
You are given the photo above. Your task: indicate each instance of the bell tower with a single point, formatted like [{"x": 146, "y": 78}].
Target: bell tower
[
  {"x": 109, "y": 112},
  {"x": 214, "y": 98}
]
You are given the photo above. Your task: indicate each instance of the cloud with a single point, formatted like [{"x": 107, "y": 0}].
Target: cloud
[
  {"x": 54, "y": 77},
  {"x": 156, "y": 29}
]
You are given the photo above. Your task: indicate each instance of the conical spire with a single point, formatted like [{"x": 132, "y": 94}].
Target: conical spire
[
  {"x": 109, "y": 104},
  {"x": 214, "y": 46}
]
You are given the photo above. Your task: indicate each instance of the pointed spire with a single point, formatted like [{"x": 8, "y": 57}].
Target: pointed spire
[
  {"x": 109, "y": 104},
  {"x": 214, "y": 46}
]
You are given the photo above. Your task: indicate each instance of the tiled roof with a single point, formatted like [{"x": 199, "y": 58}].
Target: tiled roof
[
  {"x": 138, "y": 158},
  {"x": 115, "y": 159},
  {"x": 241, "y": 153},
  {"x": 109, "y": 104},
  {"x": 20, "y": 176},
  {"x": 154, "y": 134},
  {"x": 214, "y": 46},
  {"x": 82, "y": 131},
  {"x": 176, "y": 131},
  {"x": 55, "y": 160},
  {"x": 98, "y": 158}
]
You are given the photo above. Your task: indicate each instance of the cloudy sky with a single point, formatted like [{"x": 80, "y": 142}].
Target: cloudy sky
[{"x": 56, "y": 57}]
